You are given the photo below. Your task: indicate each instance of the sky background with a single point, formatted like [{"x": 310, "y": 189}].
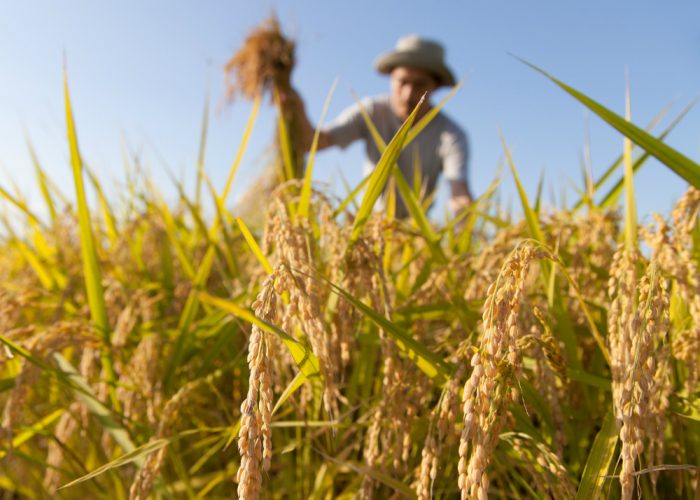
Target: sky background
[{"x": 140, "y": 73}]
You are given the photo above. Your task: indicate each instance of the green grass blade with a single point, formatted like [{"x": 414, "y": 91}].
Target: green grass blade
[
  {"x": 222, "y": 222},
  {"x": 599, "y": 460},
  {"x": 195, "y": 212},
  {"x": 415, "y": 130},
  {"x": 136, "y": 455},
  {"x": 241, "y": 149},
  {"x": 305, "y": 196},
  {"x": 15, "y": 348},
  {"x": 254, "y": 247},
  {"x": 43, "y": 273},
  {"x": 611, "y": 197},
  {"x": 38, "y": 428},
  {"x": 376, "y": 136},
  {"x": 381, "y": 145},
  {"x": 376, "y": 474},
  {"x": 685, "y": 407},
  {"x": 380, "y": 174},
  {"x": 630, "y": 205},
  {"x": 200, "y": 280},
  {"x": 218, "y": 443},
  {"x": 285, "y": 143},
  {"x": 674, "y": 160},
  {"x": 20, "y": 205},
  {"x": 351, "y": 194},
  {"x": 418, "y": 214},
  {"x": 91, "y": 265},
  {"x": 638, "y": 163},
  {"x": 589, "y": 379},
  {"x": 304, "y": 358},
  {"x": 43, "y": 182},
  {"x": 533, "y": 223},
  {"x": 201, "y": 153},
  {"x": 417, "y": 173},
  {"x": 107, "y": 215},
  {"x": 222, "y": 215},
  {"x": 427, "y": 118},
  {"x": 538, "y": 197},
  {"x": 295, "y": 384},
  {"x": 618, "y": 161},
  {"x": 350, "y": 198}
]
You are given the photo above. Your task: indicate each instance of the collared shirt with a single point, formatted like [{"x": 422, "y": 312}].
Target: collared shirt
[{"x": 440, "y": 148}]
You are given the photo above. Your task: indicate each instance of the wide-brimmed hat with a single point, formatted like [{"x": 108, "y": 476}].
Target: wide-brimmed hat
[{"x": 416, "y": 52}]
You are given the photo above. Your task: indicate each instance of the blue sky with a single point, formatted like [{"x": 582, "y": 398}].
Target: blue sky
[{"x": 140, "y": 72}]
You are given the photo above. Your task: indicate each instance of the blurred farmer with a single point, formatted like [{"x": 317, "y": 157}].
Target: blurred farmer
[{"x": 415, "y": 67}]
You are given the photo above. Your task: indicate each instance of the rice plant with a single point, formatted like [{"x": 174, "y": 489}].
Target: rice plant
[{"x": 334, "y": 351}]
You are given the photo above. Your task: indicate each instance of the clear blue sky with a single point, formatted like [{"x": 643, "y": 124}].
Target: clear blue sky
[{"x": 139, "y": 74}]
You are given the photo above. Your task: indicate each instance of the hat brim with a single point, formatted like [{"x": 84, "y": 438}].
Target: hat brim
[{"x": 387, "y": 62}]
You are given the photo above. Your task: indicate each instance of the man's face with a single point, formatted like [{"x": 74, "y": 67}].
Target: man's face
[{"x": 407, "y": 87}]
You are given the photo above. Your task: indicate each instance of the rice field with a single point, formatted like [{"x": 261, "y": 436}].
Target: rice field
[{"x": 333, "y": 351}]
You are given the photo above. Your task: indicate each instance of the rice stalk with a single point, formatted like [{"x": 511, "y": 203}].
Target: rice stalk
[
  {"x": 255, "y": 436},
  {"x": 497, "y": 362}
]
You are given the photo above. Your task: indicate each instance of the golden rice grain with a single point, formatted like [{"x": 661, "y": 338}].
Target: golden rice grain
[
  {"x": 638, "y": 325},
  {"x": 255, "y": 436},
  {"x": 489, "y": 388}
]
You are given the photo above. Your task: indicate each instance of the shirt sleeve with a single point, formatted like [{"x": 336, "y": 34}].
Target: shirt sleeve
[
  {"x": 454, "y": 150},
  {"x": 349, "y": 126}
]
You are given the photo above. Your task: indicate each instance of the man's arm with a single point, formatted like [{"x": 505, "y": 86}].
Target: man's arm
[{"x": 295, "y": 111}]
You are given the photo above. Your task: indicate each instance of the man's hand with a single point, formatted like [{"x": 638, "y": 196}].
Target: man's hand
[{"x": 460, "y": 197}]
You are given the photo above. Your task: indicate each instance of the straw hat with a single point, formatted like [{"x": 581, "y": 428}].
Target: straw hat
[{"x": 416, "y": 52}]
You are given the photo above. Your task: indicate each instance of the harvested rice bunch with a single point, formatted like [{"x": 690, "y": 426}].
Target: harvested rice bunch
[
  {"x": 264, "y": 62},
  {"x": 264, "y": 65}
]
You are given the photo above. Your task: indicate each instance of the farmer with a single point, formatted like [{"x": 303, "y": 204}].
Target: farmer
[{"x": 415, "y": 67}]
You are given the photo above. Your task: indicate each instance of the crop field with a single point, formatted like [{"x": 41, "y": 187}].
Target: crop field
[{"x": 329, "y": 350}]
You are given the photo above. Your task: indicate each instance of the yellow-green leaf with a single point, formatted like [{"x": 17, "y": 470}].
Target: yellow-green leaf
[
  {"x": 679, "y": 163},
  {"x": 599, "y": 460},
  {"x": 305, "y": 196},
  {"x": 304, "y": 357},
  {"x": 380, "y": 174},
  {"x": 91, "y": 264},
  {"x": 254, "y": 247}
]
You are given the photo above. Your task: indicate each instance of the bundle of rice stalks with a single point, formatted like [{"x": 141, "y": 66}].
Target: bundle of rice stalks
[{"x": 264, "y": 63}]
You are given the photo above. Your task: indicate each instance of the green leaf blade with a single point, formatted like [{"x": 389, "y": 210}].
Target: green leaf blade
[
  {"x": 599, "y": 460},
  {"x": 380, "y": 174},
  {"x": 674, "y": 160},
  {"x": 91, "y": 265}
]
